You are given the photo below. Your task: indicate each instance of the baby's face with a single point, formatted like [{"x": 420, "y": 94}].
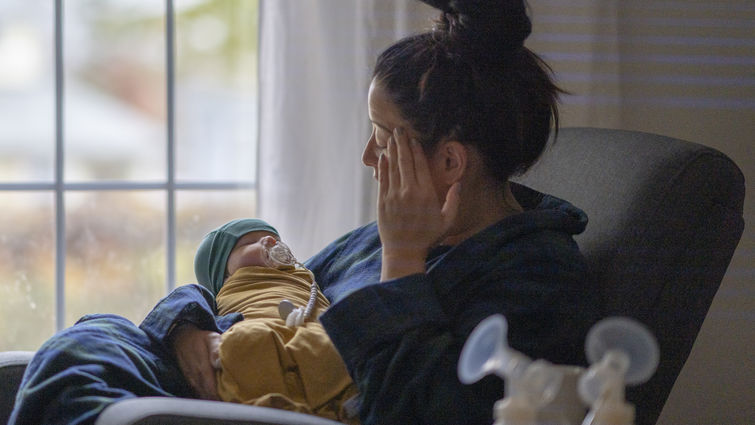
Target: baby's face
[{"x": 250, "y": 251}]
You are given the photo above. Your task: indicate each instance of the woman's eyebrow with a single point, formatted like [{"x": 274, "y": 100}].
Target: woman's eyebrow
[{"x": 381, "y": 126}]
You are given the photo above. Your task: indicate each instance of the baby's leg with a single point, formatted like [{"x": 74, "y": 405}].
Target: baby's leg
[{"x": 254, "y": 364}]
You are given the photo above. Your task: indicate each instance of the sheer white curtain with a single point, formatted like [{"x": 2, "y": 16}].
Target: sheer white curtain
[{"x": 316, "y": 59}]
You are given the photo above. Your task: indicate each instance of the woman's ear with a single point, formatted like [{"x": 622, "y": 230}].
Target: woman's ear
[{"x": 453, "y": 158}]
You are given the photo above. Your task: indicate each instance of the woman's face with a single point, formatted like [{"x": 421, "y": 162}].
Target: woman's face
[
  {"x": 250, "y": 251},
  {"x": 385, "y": 117}
]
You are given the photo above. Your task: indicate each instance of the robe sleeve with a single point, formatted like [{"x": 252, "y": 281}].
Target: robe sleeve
[
  {"x": 189, "y": 303},
  {"x": 402, "y": 351}
]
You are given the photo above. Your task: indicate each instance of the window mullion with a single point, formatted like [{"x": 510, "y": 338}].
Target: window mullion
[
  {"x": 170, "y": 238},
  {"x": 60, "y": 229}
]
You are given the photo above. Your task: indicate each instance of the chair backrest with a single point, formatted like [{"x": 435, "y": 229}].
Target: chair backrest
[
  {"x": 665, "y": 216},
  {"x": 12, "y": 366}
]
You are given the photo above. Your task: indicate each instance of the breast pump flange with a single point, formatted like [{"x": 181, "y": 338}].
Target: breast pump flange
[
  {"x": 529, "y": 384},
  {"x": 621, "y": 351}
]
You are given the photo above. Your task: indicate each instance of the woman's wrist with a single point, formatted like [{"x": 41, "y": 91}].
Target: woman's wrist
[
  {"x": 177, "y": 331},
  {"x": 398, "y": 264}
]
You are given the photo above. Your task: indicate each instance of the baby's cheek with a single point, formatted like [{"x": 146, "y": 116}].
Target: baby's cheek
[{"x": 254, "y": 256}]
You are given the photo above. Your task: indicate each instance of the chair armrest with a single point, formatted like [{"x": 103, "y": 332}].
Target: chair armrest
[
  {"x": 15, "y": 359},
  {"x": 12, "y": 367},
  {"x": 169, "y": 410},
  {"x": 155, "y": 410}
]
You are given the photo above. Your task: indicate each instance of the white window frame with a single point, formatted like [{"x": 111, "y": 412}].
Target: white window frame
[{"x": 60, "y": 187}]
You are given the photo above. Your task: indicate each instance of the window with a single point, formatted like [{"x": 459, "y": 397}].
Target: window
[{"x": 128, "y": 130}]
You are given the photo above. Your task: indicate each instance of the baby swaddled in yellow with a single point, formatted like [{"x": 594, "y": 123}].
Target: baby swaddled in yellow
[{"x": 263, "y": 360}]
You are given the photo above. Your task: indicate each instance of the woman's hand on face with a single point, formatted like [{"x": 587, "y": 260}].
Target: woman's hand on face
[
  {"x": 197, "y": 355},
  {"x": 411, "y": 218}
]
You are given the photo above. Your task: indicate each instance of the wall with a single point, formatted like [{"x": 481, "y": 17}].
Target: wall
[{"x": 683, "y": 69}]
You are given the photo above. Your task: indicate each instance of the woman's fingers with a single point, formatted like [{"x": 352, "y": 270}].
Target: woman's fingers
[
  {"x": 404, "y": 157},
  {"x": 209, "y": 387},
  {"x": 203, "y": 378},
  {"x": 422, "y": 170},
  {"x": 213, "y": 343},
  {"x": 383, "y": 182},
  {"x": 394, "y": 175},
  {"x": 194, "y": 348}
]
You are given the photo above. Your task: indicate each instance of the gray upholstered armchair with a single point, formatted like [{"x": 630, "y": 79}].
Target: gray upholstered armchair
[{"x": 665, "y": 218}]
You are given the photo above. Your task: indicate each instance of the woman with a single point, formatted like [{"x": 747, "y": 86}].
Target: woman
[{"x": 456, "y": 111}]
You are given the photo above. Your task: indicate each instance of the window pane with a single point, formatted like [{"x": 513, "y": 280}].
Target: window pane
[
  {"x": 198, "y": 212},
  {"x": 27, "y": 103},
  {"x": 216, "y": 90},
  {"x": 115, "y": 253},
  {"x": 115, "y": 90},
  {"x": 27, "y": 269}
]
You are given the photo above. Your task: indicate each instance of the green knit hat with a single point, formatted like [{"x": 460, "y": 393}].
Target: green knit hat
[{"x": 214, "y": 250}]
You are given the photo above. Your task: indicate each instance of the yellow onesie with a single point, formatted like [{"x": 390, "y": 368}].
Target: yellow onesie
[{"x": 266, "y": 363}]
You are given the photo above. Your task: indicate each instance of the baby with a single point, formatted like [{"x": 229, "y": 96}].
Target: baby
[{"x": 277, "y": 356}]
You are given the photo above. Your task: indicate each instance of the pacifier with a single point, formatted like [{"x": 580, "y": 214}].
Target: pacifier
[{"x": 280, "y": 255}]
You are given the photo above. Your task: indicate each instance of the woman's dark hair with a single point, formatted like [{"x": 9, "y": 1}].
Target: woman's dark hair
[{"x": 471, "y": 79}]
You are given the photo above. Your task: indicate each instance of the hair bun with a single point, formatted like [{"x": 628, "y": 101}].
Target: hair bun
[
  {"x": 486, "y": 25},
  {"x": 439, "y": 4}
]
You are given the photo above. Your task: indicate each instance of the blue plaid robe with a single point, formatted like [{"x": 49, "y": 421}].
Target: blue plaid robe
[{"x": 400, "y": 339}]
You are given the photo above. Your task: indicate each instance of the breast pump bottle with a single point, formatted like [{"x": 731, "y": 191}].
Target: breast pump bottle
[{"x": 529, "y": 384}]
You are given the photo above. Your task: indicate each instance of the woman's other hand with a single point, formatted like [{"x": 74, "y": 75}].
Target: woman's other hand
[
  {"x": 197, "y": 355},
  {"x": 411, "y": 218}
]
